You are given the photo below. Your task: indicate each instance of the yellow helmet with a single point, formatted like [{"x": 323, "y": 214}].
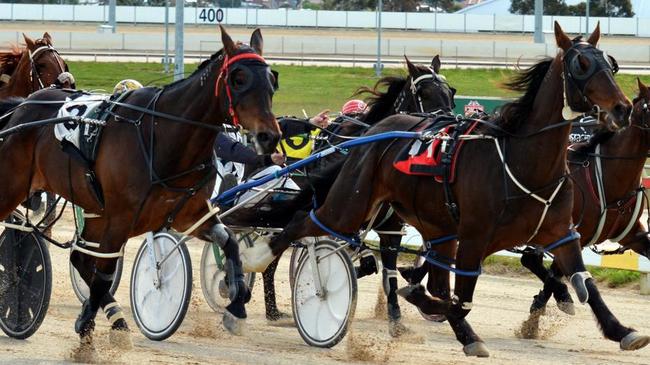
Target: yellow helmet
[{"x": 126, "y": 85}]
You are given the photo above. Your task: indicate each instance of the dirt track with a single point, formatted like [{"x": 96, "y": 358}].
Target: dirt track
[{"x": 500, "y": 307}]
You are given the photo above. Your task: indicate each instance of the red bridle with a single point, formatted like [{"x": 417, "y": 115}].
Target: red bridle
[{"x": 223, "y": 73}]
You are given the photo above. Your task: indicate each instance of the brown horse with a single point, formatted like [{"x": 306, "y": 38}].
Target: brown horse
[
  {"x": 35, "y": 67},
  {"x": 613, "y": 161},
  {"x": 153, "y": 165},
  {"x": 515, "y": 163},
  {"x": 423, "y": 90}
]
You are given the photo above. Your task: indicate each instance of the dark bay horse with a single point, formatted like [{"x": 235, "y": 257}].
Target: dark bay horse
[
  {"x": 613, "y": 161},
  {"x": 37, "y": 66},
  {"x": 153, "y": 165},
  {"x": 423, "y": 90},
  {"x": 516, "y": 163}
]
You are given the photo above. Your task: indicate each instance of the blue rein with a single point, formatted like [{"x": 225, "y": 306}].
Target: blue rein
[{"x": 231, "y": 194}]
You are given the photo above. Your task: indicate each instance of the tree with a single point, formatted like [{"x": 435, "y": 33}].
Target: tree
[
  {"x": 614, "y": 8},
  {"x": 400, "y": 5},
  {"x": 349, "y": 4},
  {"x": 527, "y": 7},
  {"x": 446, "y": 5}
]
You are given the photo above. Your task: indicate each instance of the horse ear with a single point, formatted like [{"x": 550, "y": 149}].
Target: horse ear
[
  {"x": 257, "y": 43},
  {"x": 643, "y": 89},
  {"x": 413, "y": 70},
  {"x": 48, "y": 38},
  {"x": 563, "y": 41},
  {"x": 435, "y": 64},
  {"x": 595, "y": 36},
  {"x": 29, "y": 42},
  {"x": 228, "y": 44}
]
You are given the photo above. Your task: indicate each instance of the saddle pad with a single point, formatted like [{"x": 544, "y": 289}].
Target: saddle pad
[
  {"x": 82, "y": 136},
  {"x": 582, "y": 130},
  {"x": 425, "y": 159}
]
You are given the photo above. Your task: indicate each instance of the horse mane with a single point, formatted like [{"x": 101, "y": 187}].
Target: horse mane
[
  {"x": 380, "y": 103},
  {"x": 527, "y": 81},
  {"x": 9, "y": 60}
]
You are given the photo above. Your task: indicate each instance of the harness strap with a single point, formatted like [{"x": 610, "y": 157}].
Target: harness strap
[
  {"x": 76, "y": 247},
  {"x": 223, "y": 74},
  {"x": 601, "y": 196},
  {"x": 633, "y": 218}
]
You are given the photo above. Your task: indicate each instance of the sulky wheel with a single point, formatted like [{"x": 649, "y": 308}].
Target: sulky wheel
[
  {"x": 322, "y": 319},
  {"x": 25, "y": 281},
  {"x": 81, "y": 289},
  {"x": 213, "y": 275},
  {"x": 297, "y": 253},
  {"x": 161, "y": 285}
]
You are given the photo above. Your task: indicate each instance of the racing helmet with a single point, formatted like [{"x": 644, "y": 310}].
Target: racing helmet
[{"x": 126, "y": 85}]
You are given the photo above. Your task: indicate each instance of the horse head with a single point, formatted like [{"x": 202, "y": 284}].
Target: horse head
[
  {"x": 44, "y": 64},
  {"x": 426, "y": 90},
  {"x": 246, "y": 86},
  {"x": 589, "y": 83}
]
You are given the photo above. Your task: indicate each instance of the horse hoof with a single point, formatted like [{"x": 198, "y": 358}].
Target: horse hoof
[
  {"x": 120, "y": 338},
  {"x": 567, "y": 307},
  {"x": 634, "y": 341},
  {"x": 397, "y": 329},
  {"x": 408, "y": 290},
  {"x": 436, "y": 318},
  {"x": 233, "y": 324},
  {"x": 477, "y": 349}
]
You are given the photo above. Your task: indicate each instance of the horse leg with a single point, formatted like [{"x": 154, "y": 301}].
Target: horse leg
[
  {"x": 438, "y": 283},
  {"x": 235, "y": 314},
  {"x": 569, "y": 258},
  {"x": 112, "y": 309},
  {"x": 100, "y": 278},
  {"x": 390, "y": 245},
  {"x": 467, "y": 259},
  {"x": 272, "y": 311},
  {"x": 534, "y": 261},
  {"x": 99, "y": 274}
]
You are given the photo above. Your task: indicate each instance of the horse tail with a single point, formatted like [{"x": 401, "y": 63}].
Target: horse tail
[{"x": 7, "y": 105}]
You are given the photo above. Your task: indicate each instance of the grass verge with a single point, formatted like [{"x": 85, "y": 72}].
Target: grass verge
[{"x": 309, "y": 87}]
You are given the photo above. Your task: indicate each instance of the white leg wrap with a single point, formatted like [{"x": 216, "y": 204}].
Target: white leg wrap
[{"x": 256, "y": 258}]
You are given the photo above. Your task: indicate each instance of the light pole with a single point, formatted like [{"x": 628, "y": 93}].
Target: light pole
[
  {"x": 166, "y": 60},
  {"x": 587, "y": 22},
  {"x": 378, "y": 65},
  {"x": 111, "y": 14},
  {"x": 539, "y": 12},
  {"x": 179, "y": 67}
]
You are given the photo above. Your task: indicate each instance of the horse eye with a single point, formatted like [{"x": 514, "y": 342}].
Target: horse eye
[{"x": 239, "y": 79}]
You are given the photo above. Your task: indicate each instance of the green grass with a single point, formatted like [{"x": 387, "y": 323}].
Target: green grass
[
  {"x": 613, "y": 278},
  {"x": 310, "y": 88}
]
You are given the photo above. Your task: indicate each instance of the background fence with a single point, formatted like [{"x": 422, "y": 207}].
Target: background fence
[{"x": 464, "y": 23}]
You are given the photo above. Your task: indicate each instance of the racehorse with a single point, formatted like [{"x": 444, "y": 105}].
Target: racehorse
[
  {"x": 609, "y": 201},
  {"x": 423, "y": 90},
  {"x": 37, "y": 66},
  {"x": 153, "y": 166},
  {"x": 24, "y": 71},
  {"x": 522, "y": 150}
]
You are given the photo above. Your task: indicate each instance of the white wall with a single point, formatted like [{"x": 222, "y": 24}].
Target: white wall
[{"x": 335, "y": 19}]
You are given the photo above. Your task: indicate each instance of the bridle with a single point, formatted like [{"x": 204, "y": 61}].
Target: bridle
[
  {"x": 415, "y": 87},
  {"x": 578, "y": 78},
  {"x": 33, "y": 72},
  {"x": 224, "y": 73}
]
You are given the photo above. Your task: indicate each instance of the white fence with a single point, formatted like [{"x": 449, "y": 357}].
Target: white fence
[{"x": 312, "y": 18}]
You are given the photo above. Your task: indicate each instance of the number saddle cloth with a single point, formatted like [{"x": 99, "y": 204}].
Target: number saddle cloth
[
  {"x": 81, "y": 140},
  {"x": 438, "y": 156}
]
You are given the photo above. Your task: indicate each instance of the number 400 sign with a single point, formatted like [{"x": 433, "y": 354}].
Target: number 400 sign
[{"x": 211, "y": 15}]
